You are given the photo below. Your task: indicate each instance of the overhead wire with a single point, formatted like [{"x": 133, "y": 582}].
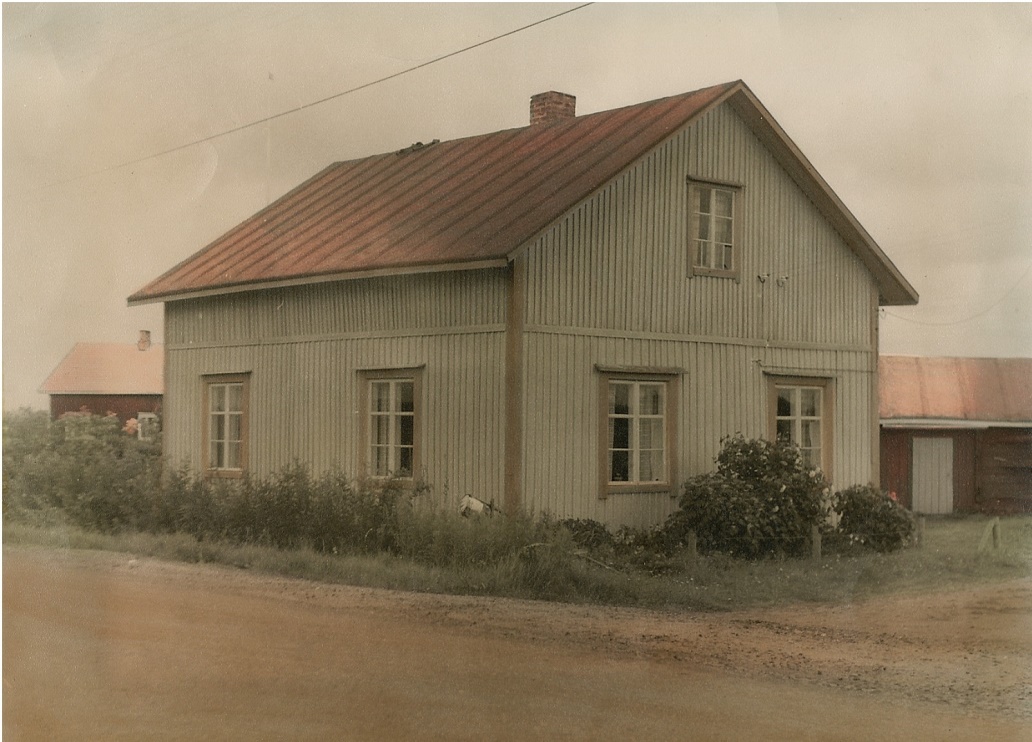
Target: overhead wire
[{"x": 312, "y": 104}]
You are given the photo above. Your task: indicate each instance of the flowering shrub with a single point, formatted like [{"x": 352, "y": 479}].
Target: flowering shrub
[
  {"x": 872, "y": 518},
  {"x": 763, "y": 500}
]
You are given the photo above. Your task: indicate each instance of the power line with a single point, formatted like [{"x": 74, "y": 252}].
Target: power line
[
  {"x": 992, "y": 306},
  {"x": 306, "y": 106}
]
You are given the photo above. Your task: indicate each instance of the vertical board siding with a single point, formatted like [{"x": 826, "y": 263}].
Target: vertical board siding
[
  {"x": 609, "y": 284},
  {"x": 304, "y": 347},
  {"x": 634, "y": 235},
  {"x": 723, "y": 392}
]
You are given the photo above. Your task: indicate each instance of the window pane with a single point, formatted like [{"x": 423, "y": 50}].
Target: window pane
[
  {"x": 234, "y": 397},
  {"x": 784, "y": 430},
  {"x": 218, "y": 427},
  {"x": 811, "y": 456},
  {"x": 650, "y": 399},
  {"x": 619, "y": 432},
  {"x": 216, "y": 458},
  {"x": 620, "y": 399},
  {"x": 405, "y": 462},
  {"x": 722, "y": 202},
  {"x": 218, "y": 397},
  {"x": 406, "y": 432},
  {"x": 381, "y": 430},
  {"x": 703, "y": 232},
  {"x": 650, "y": 467},
  {"x": 784, "y": 402},
  {"x": 235, "y": 427},
  {"x": 702, "y": 200},
  {"x": 811, "y": 434},
  {"x": 381, "y": 396},
  {"x": 618, "y": 466},
  {"x": 233, "y": 455},
  {"x": 722, "y": 229},
  {"x": 702, "y": 259},
  {"x": 650, "y": 434},
  {"x": 405, "y": 396},
  {"x": 727, "y": 263},
  {"x": 810, "y": 402}
]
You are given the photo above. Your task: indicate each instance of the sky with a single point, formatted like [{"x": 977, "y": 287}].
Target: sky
[{"x": 918, "y": 116}]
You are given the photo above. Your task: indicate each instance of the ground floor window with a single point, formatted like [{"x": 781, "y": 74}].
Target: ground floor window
[
  {"x": 800, "y": 414},
  {"x": 224, "y": 435},
  {"x": 637, "y": 431},
  {"x": 392, "y": 421}
]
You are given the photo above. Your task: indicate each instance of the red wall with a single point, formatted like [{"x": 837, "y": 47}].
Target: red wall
[{"x": 123, "y": 405}]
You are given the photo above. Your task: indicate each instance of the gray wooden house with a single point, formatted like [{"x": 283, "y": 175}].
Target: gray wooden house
[{"x": 563, "y": 317}]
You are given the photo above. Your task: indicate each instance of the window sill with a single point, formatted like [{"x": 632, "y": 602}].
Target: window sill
[
  {"x": 224, "y": 473},
  {"x": 636, "y": 488},
  {"x": 713, "y": 273}
]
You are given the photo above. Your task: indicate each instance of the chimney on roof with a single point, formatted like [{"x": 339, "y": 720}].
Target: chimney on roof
[
  {"x": 144, "y": 342},
  {"x": 552, "y": 107}
]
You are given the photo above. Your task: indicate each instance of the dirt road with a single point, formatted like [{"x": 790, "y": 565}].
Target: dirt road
[{"x": 102, "y": 646}]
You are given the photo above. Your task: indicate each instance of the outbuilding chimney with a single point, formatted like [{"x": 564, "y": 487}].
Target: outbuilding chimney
[
  {"x": 144, "y": 342},
  {"x": 552, "y": 107}
]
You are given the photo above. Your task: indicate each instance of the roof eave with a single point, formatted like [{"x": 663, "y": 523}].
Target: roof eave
[{"x": 140, "y": 299}]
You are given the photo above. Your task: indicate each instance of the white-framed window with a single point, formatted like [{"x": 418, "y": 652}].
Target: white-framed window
[
  {"x": 224, "y": 436},
  {"x": 801, "y": 414},
  {"x": 147, "y": 425},
  {"x": 714, "y": 228},
  {"x": 637, "y": 431},
  {"x": 392, "y": 422}
]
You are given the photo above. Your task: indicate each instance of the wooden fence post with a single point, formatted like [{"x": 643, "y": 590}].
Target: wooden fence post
[
  {"x": 997, "y": 540},
  {"x": 693, "y": 545},
  {"x": 815, "y": 542},
  {"x": 920, "y": 531}
]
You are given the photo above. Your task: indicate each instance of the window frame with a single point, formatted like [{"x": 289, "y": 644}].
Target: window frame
[
  {"x": 735, "y": 189},
  {"x": 208, "y": 381},
  {"x": 367, "y": 377},
  {"x": 146, "y": 425},
  {"x": 827, "y": 416},
  {"x": 671, "y": 381}
]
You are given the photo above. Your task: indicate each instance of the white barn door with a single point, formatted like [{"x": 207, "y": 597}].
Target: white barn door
[{"x": 932, "y": 473}]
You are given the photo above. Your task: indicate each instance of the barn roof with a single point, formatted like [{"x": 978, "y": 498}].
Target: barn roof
[
  {"x": 955, "y": 391},
  {"x": 108, "y": 368},
  {"x": 473, "y": 202}
]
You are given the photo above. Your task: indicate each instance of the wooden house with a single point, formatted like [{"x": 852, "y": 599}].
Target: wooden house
[
  {"x": 564, "y": 317},
  {"x": 123, "y": 379},
  {"x": 957, "y": 433}
]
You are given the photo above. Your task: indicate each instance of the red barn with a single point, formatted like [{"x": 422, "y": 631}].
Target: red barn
[
  {"x": 956, "y": 433},
  {"x": 122, "y": 378}
]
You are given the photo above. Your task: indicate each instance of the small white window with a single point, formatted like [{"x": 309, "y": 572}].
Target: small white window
[
  {"x": 713, "y": 229},
  {"x": 801, "y": 414},
  {"x": 225, "y": 432},
  {"x": 390, "y": 434},
  {"x": 146, "y": 425}
]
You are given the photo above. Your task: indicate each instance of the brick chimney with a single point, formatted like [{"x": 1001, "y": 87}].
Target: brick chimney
[
  {"x": 144, "y": 342},
  {"x": 552, "y": 107}
]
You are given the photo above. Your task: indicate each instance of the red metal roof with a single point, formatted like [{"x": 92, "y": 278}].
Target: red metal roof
[
  {"x": 466, "y": 202},
  {"x": 955, "y": 389},
  {"x": 108, "y": 368}
]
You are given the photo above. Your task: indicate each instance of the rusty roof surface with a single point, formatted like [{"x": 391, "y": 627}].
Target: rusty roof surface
[
  {"x": 108, "y": 368},
  {"x": 962, "y": 389},
  {"x": 467, "y": 202}
]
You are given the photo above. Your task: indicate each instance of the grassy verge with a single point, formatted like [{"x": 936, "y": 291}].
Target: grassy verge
[{"x": 950, "y": 558}]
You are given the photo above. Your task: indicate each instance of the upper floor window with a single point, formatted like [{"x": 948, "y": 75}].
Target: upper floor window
[
  {"x": 225, "y": 424},
  {"x": 713, "y": 229},
  {"x": 391, "y": 434}
]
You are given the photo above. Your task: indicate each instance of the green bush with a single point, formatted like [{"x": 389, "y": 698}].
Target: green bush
[
  {"x": 870, "y": 517},
  {"x": 762, "y": 501},
  {"x": 588, "y": 534}
]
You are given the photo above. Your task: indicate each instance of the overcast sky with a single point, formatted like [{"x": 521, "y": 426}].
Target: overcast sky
[{"x": 917, "y": 115}]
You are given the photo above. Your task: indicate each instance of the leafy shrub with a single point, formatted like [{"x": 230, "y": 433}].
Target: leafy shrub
[
  {"x": 587, "y": 533},
  {"x": 872, "y": 518},
  {"x": 762, "y": 501}
]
